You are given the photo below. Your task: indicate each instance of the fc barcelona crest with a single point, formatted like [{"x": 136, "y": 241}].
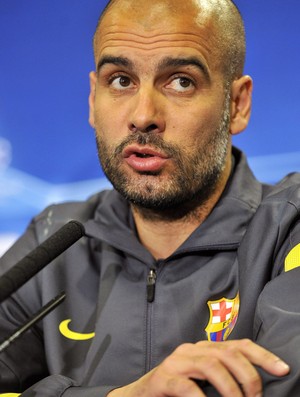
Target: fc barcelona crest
[{"x": 222, "y": 319}]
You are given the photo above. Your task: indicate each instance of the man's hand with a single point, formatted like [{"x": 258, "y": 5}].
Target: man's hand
[{"x": 228, "y": 366}]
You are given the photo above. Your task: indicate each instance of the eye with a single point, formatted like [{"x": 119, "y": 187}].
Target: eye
[
  {"x": 120, "y": 82},
  {"x": 181, "y": 84}
]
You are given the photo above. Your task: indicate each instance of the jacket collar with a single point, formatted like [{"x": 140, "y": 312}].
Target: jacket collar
[{"x": 223, "y": 229}]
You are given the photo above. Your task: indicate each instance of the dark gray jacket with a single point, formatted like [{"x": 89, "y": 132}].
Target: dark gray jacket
[{"x": 117, "y": 331}]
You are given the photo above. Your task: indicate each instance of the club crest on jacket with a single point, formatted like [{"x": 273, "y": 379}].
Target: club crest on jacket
[{"x": 223, "y": 314}]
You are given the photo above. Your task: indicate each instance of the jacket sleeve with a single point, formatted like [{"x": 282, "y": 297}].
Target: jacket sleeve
[
  {"x": 23, "y": 362},
  {"x": 23, "y": 365},
  {"x": 278, "y": 324},
  {"x": 58, "y": 386},
  {"x": 277, "y": 319}
]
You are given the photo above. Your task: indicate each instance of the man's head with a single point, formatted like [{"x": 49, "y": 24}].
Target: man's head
[{"x": 167, "y": 92}]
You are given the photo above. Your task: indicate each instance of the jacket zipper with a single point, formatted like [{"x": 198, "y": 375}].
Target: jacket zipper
[{"x": 151, "y": 280}]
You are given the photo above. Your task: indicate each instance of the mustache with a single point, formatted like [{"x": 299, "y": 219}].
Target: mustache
[{"x": 153, "y": 140}]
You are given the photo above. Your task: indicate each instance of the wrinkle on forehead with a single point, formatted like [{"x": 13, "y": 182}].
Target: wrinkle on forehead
[{"x": 123, "y": 38}]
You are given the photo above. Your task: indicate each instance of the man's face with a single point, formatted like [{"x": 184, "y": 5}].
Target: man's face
[{"x": 159, "y": 107}]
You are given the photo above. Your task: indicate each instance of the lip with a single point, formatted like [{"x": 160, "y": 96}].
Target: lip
[{"x": 144, "y": 158}]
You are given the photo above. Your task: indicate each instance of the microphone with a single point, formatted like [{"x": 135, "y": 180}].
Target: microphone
[{"x": 37, "y": 259}]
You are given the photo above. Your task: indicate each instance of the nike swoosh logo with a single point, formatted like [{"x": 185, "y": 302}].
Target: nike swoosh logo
[
  {"x": 66, "y": 332},
  {"x": 10, "y": 395}
]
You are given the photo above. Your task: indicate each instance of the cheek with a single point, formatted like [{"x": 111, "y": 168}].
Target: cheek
[
  {"x": 109, "y": 120},
  {"x": 103, "y": 108},
  {"x": 200, "y": 112},
  {"x": 193, "y": 127}
]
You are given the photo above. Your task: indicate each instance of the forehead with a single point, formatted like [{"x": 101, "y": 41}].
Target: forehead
[{"x": 157, "y": 29}]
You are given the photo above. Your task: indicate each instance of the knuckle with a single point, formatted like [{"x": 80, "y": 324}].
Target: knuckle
[
  {"x": 246, "y": 342},
  {"x": 184, "y": 349},
  {"x": 172, "y": 383},
  {"x": 232, "y": 351},
  {"x": 169, "y": 363},
  {"x": 210, "y": 363},
  {"x": 233, "y": 390},
  {"x": 253, "y": 385},
  {"x": 204, "y": 343}
]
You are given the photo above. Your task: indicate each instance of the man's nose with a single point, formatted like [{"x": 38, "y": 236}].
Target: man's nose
[{"x": 147, "y": 112}]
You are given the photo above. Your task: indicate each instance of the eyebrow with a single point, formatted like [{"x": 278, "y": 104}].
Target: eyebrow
[
  {"x": 118, "y": 61},
  {"x": 190, "y": 61},
  {"x": 167, "y": 62}
]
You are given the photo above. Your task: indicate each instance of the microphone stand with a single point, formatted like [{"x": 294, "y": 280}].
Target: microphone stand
[{"x": 37, "y": 317}]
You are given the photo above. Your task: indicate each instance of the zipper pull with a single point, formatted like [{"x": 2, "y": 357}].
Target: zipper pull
[{"x": 151, "y": 279}]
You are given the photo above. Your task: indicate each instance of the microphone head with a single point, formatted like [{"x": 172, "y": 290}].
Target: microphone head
[
  {"x": 62, "y": 239},
  {"x": 37, "y": 259}
]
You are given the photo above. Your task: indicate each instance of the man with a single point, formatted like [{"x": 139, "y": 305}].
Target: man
[{"x": 189, "y": 258}]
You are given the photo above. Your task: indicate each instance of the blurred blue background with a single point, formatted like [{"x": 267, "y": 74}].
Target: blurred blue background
[{"x": 47, "y": 149}]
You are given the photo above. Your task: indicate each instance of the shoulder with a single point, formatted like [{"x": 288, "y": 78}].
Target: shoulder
[
  {"x": 57, "y": 215},
  {"x": 286, "y": 189},
  {"x": 275, "y": 227},
  {"x": 281, "y": 202}
]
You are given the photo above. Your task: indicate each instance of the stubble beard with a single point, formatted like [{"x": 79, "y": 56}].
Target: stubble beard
[{"x": 194, "y": 179}]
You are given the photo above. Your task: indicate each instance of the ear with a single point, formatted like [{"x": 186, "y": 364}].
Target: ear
[
  {"x": 241, "y": 100},
  {"x": 93, "y": 81}
]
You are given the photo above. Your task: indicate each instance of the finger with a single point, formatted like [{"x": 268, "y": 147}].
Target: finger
[
  {"x": 263, "y": 358},
  {"x": 218, "y": 375},
  {"x": 243, "y": 371},
  {"x": 188, "y": 362},
  {"x": 239, "y": 357},
  {"x": 256, "y": 354}
]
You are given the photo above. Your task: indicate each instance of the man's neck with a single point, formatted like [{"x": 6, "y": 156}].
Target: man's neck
[
  {"x": 162, "y": 235},
  {"x": 162, "y": 238}
]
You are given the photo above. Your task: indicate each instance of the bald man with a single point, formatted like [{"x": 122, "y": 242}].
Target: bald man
[{"x": 187, "y": 285}]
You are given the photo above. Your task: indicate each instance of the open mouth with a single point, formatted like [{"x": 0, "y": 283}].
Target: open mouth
[
  {"x": 144, "y": 159},
  {"x": 142, "y": 152}
]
